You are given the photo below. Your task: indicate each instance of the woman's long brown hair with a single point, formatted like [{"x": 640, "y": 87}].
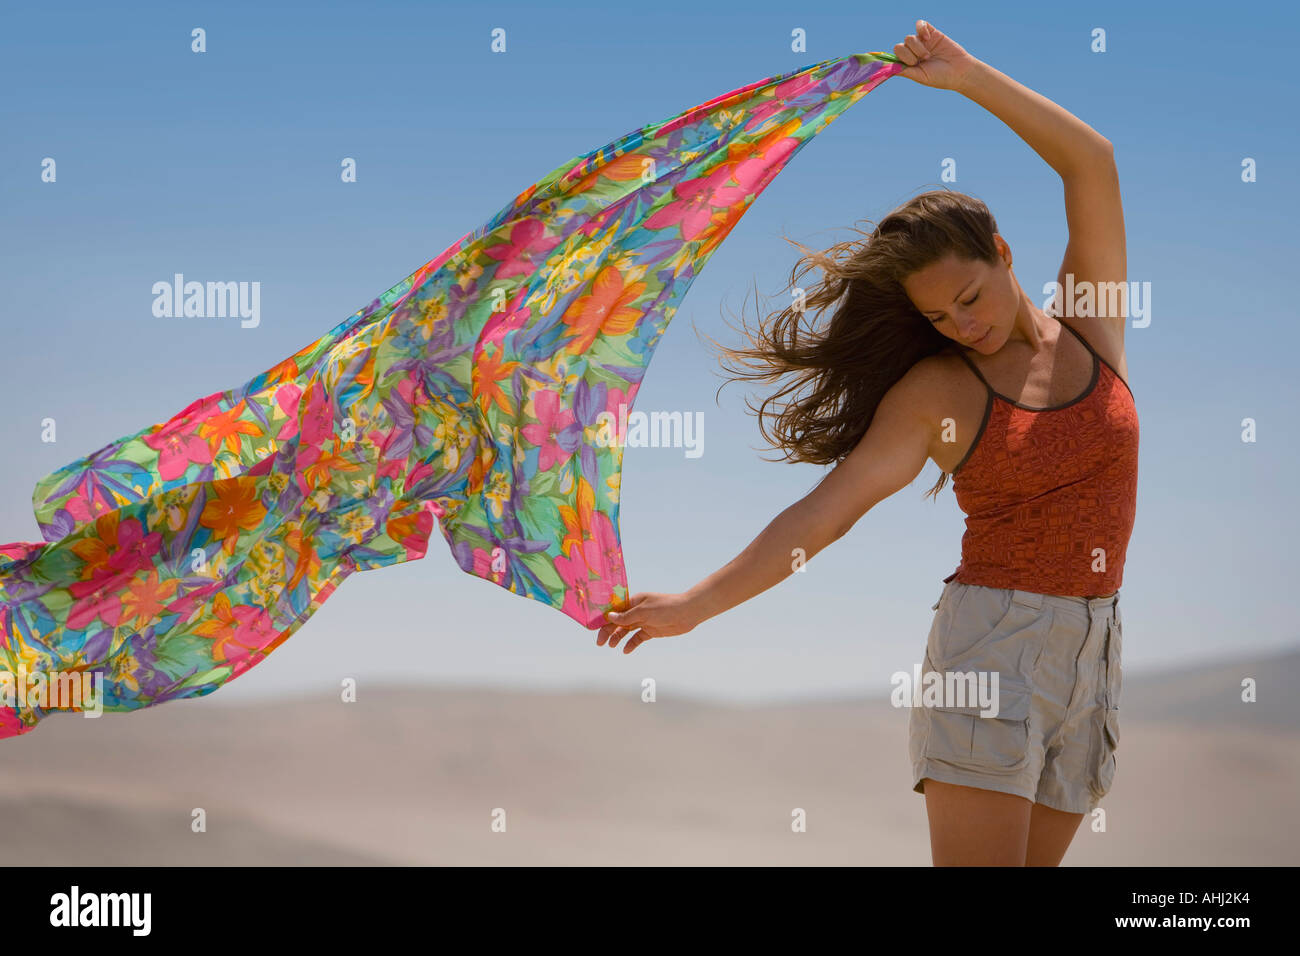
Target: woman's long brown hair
[{"x": 874, "y": 335}]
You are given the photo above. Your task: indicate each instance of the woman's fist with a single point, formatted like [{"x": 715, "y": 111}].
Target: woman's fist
[{"x": 932, "y": 59}]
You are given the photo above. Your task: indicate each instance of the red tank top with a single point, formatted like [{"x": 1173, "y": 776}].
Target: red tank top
[{"x": 1050, "y": 494}]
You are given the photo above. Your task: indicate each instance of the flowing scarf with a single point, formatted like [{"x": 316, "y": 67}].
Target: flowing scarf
[{"x": 481, "y": 394}]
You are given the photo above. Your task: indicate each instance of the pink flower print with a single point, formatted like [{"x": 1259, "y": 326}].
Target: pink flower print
[
  {"x": 287, "y": 397},
  {"x": 254, "y": 633},
  {"x": 527, "y": 248},
  {"x": 135, "y": 549},
  {"x": 616, "y": 397},
  {"x": 317, "y": 416},
  {"x": 556, "y": 431},
  {"x": 177, "y": 445},
  {"x": 499, "y": 324},
  {"x": 386, "y": 467},
  {"x": 97, "y": 599},
  {"x": 755, "y": 173},
  {"x": 483, "y": 566},
  {"x": 79, "y": 508},
  {"x": 10, "y": 724},
  {"x": 781, "y": 97},
  {"x": 602, "y": 552},
  {"x": 417, "y": 474},
  {"x": 583, "y": 597},
  {"x": 699, "y": 200},
  {"x": 199, "y": 409}
]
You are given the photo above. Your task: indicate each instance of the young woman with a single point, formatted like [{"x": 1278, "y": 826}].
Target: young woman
[{"x": 935, "y": 352}]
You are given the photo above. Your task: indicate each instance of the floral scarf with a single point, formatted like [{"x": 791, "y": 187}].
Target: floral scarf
[{"x": 481, "y": 395}]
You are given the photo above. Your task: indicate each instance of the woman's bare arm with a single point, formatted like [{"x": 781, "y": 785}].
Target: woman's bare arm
[
  {"x": 1084, "y": 159},
  {"x": 889, "y": 457},
  {"x": 1065, "y": 142}
]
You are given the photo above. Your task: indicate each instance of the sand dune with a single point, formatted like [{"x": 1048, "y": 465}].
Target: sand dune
[{"x": 412, "y": 775}]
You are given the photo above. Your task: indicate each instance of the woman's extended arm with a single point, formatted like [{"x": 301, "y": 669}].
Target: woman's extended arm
[{"x": 889, "y": 456}]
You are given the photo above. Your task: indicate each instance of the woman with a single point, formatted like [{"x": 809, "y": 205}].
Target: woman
[{"x": 936, "y": 352}]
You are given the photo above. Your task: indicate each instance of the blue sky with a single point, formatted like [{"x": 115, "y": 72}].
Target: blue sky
[{"x": 226, "y": 165}]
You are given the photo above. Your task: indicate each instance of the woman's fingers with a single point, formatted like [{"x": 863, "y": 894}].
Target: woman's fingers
[
  {"x": 646, "y": 616},
  {"x": 630, "y": 614},
  {"x": 621, "y": 624},
  {"x": 636, "y": 641},
  {"x": 610, "y": 634},
  {"x": 914, "y": 48},
  {"x": 904, "y": 53}
]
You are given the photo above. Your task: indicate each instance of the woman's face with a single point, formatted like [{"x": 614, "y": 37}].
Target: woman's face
[{"x": 973, "y": 303}]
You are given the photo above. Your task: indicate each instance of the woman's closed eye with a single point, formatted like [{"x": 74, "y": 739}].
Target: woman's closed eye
[{"x": 971, "y": 302}]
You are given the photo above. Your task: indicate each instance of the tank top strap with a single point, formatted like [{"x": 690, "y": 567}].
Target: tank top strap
[
  {"x": 1098, "y": 361},
  {"x": 978, "y": 374},
  {"x": 1096, "y": 358},
  {"x": 1075, "y": 332}
]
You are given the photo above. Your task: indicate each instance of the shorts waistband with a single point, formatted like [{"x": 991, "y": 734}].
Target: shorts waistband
[{"x": 1085, "y": 604}]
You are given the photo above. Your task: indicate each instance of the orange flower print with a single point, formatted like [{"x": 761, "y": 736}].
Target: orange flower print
[
  {"x": 232, "y": 507},
  {"x": 307, "y": 563},
  {"x": 607, "y": 310},
  {"x": 225, "y": 428},
  {"x": 146, "y": 599},
  {"x": 238, "y": 632},
  {"x": 578, "y": 524},
  {"x": 489, "y": 372},
  {"x": 319, "y": 465}
]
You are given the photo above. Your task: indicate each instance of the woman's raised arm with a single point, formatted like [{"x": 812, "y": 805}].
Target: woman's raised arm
[
  {"x": 1065, "y": 142},
  {"x": 1084, "y": 159}
]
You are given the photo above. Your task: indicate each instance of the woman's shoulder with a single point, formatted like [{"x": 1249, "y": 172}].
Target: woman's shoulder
[{"x": 938, "y": 379}]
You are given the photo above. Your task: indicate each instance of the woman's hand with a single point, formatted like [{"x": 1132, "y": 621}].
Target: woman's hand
[
  {"x": 932, "y": 59},
  {"x": 657, "y": 615}
]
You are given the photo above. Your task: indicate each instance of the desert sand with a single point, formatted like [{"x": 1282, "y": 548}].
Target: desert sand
[{"x": 414, "y": 775}]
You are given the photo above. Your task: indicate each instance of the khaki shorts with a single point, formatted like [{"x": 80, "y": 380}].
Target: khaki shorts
[{"x": 1058, "y": 679}]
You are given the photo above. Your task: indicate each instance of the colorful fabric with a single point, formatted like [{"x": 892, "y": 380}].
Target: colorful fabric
[{"x": 469, "y": 396}]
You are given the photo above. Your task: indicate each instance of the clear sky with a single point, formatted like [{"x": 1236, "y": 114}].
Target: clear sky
[{"x": 225, "y": 166}]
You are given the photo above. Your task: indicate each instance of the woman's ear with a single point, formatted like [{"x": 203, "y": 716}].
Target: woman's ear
[{"x": 1004, "y": 249}]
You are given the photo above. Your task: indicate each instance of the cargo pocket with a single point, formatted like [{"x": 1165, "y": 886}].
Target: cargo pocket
[
  {"x": 1103, "y": 771},
  {"x": 982, "y": 635},
  {"x": 961, "y": 736},
  {"x": 1114, "y": 668},
  {"x": 1104, "y": 768}
]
